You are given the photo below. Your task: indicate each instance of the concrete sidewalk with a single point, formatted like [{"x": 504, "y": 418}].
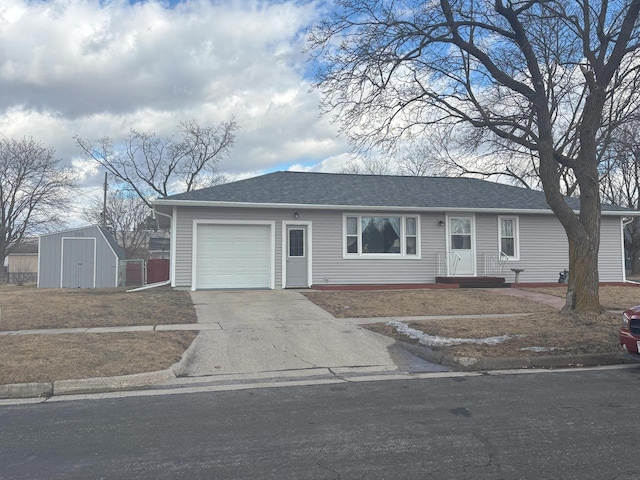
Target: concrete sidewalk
[
  {"x": 543, "y": 298},
  {"x": 123, "y": 329}
]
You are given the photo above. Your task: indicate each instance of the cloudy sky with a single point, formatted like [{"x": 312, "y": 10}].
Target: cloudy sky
[{"x": 99, "y": 68}]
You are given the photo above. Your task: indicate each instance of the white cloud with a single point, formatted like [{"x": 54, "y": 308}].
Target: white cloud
[
  {"x": 94, "y": 69},
  {"x": 328, "y": 165}
]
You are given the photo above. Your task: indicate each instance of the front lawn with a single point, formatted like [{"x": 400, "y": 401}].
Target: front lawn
[
  {"x": 39, "y": 358},
  {"x": 537, "y": 329},
  {"x": 29, "y": 307}
]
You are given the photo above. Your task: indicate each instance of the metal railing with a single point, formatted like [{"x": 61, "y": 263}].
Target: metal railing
[
  {"x": 448, "y": 263},
  {"x": 19, "y": 278},
  {"x": 494, "y": 262}
]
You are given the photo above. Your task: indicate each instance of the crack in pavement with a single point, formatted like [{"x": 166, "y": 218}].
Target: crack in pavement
[
  {"x": 294, "y": 356},
  {"x": 338, "y": 477}
]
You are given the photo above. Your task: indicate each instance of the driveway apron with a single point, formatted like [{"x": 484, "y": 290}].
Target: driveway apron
[{"x": 275, "y": 330}]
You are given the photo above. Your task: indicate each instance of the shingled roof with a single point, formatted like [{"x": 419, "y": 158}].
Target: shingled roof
[
  {"x": 382, "y": 191},
  {"x": 25, "y": 248}
]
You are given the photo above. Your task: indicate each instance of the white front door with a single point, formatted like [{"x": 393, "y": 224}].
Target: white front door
[{"x": 462, "y": 256}]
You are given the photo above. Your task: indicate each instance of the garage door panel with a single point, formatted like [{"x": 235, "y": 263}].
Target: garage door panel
[{"x": 233, "y": 256}]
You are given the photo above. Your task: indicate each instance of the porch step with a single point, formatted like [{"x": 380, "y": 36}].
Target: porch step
[
  {"x": 485, "y": 285},
  {"x": 475, "y": 282}
]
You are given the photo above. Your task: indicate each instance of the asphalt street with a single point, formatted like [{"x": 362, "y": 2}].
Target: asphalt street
[{"x": 561, "y": 425}]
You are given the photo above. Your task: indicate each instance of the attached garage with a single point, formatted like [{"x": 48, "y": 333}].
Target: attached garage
[{"x": 233, "y": 255}]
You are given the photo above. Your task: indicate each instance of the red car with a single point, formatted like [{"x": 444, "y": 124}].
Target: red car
[{"x": 630, "y": 332}]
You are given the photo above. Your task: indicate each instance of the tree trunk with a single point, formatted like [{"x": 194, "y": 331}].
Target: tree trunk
[
  {"x": 583, "y": 232},
  {"x": 583, "y": 288},
  {"x": 584, "y": 244}
]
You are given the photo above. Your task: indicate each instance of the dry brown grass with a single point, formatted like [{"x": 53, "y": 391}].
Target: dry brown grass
[
  {"x": 423, "y": 302},
  {"x": 35, "y": 358},
  {"x": 568, "y": 335},
  {"x": 28, "y": 307},
  {"x": 47, "y": 358},
  {"x": 542, "y": 327}
]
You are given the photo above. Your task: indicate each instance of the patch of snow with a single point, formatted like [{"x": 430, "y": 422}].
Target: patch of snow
[
  {"x": 541, "y": 349},
  {"x": 436, "y": 341}
]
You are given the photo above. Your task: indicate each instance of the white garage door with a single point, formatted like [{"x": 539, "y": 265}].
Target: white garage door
[{"x": 233, "y": 256}]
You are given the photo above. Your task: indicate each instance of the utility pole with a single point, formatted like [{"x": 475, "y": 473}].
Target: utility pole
[{"x": 104, "y": 202}]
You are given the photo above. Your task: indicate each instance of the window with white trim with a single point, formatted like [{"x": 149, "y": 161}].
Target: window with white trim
[
  {"x": 381, "y": 235},
  {"x": 508, "y": 233},
  {"x": 411, "y": 236},
  {"x": 352, "y": 235}
]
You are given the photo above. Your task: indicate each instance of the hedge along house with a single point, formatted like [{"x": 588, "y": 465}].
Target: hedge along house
[
  {"x": 85, "y": 257},
  {"x": 293, "y": 229}
]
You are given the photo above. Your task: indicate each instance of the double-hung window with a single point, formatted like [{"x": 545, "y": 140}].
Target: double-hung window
[
  {"x": 381, "y": 235},
  {"x": 508, "y": 241}
]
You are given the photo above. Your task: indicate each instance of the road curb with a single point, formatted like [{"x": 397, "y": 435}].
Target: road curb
[
  {"x": 85, "y": 385},
  {"x": 180, "y": 366},
  {"x": 111, "y": 384},
  {"x": 144, "y": 380},
  {"x": 26, "y": 390},
  {"x": 505, "y": 363}
]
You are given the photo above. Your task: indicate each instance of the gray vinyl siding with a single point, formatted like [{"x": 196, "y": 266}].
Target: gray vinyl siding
[
  {"x": 328, "y": 265},
  {"x": 611, "y": 256},
  {"x": 486, "y": 241},
  {"x": 330, "y": 268},
  {"x": 184, "y": 234},
  {"x": 542, "y": 241},
  {"x": 544, "y": 250},
  {"x": 50, "y": 260}
]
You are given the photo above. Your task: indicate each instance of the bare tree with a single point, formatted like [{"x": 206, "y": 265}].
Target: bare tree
[
  {"x": 542, "y": 79},
  {"x": 125, "y": 217},
  {"x": 34, "y": 188},
  {"x": 374, "y": 166},
  {"x": 446, "y": 152},
  {"x": 155, "y": 166},
  {"x": 418, "y": 160}
]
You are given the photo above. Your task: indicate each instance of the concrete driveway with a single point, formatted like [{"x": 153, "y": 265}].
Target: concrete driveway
[{"x": 278, "y": 330}]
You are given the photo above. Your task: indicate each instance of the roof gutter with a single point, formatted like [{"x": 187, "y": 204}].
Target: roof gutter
[{"x": 379, "y": 208}]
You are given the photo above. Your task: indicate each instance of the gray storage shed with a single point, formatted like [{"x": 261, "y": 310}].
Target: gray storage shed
[{"x": 86, "y": 257}]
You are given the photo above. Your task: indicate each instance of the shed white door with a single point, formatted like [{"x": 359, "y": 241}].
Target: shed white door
[
  {"x": 233, "y": 256},
  {"x": 78, "y": 263}
]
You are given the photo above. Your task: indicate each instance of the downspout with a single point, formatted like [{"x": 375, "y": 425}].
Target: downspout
[
  {"x": 147, "y": 287},
  {"x": 624, "y": 269},
  {"x": 172, "y": 245}
]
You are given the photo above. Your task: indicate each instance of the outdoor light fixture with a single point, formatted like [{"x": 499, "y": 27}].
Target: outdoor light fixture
[
  {"x": 441, "y": 223},
  {"x": 296, "y": 214}
]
